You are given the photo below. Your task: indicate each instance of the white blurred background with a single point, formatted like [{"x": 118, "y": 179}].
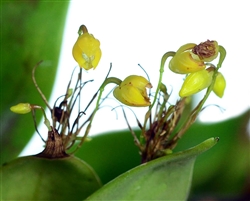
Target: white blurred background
[{"x": 140, "y": 32}]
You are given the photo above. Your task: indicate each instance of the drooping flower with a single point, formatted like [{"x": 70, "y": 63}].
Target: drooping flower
[
  {"x": 21, "y": 108},
  {"x": 132, "y": 91},
  {"x": 219, "y": 85},
  {"x": 190, "y": 57},
  {"x": 86, "y": 51},
  {"x": 183, "y": 61},
  {"x": 195, "y": 82}
]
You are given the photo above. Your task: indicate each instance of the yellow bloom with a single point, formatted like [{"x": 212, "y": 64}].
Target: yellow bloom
[
  {"x": 190, "y": 58},
  {"x": 86, "y": 51},
  {"x": 196, "y": 82},
  {"x": 219, "y": 85},
  {"x": 184, "y": 61},
  {"x": 21, "y": 108},
  {"x": 132, "y": 91}
]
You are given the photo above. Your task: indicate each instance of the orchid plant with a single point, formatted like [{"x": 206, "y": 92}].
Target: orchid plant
[{"x": 164, "y": 124}]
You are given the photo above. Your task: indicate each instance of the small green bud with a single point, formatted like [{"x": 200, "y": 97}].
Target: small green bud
[
  {"x": 69, "y": 92},
  {"x": 21, "y": 108},
  {"x": 219, "y": 85}
]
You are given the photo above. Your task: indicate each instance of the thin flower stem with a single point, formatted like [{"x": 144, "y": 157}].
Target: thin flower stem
[
  {"x": 37, "y": 87},
  {"x": 82, "y": 29},
  {"x": 34, "y": 119},
  {"x": 136, "y": 140},
  {"x": 46, "y": 121},
  {"x": 148, "y": 114},
  {"x": 107, "y": 81},
  {"x": 223, "y": 54},
  {"x": 163, "y": 60},
  {"x": 166, "y": 96}
]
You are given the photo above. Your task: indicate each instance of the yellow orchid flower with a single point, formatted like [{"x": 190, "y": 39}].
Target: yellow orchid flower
[
  {"x": 132, "y": 91},
  {"x": 190, "y": 57},
  {"x": 195, "y": 82},
  {"x": 219, "y": 85},
  {"x": 86, "y": 51},
  {"x": 21, "y": 108},
  {"x": 183, "y": 61}
]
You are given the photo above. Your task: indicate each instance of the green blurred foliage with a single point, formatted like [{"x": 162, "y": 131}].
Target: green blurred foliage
[
  {"x": 225, "y": 170},
  {"x": 110, "y": 154},
  {"x": 31, "y": 31}
]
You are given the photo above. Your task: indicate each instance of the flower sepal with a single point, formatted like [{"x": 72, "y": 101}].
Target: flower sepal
[
  {"x": 184, "y": 62},
  {"x": 195, "y": 82}
]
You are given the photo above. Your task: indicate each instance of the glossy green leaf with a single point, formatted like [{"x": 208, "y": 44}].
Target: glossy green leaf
[
  {"x": 33, "y": 178},
  {"x": 31, "y": 31},
  {"x": 165, "y": 178},
  {"x": 230, "y": 159},
  {"x": 231, "y": 163}
]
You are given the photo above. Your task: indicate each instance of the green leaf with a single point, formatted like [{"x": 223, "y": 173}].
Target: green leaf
[
  {"x": 230, "y": 159},
  {"x": 167, "y": 177},
  {"x": 117, "y": 151},
  {"x": 31, "y": 31},
  {"x": 34, "y": 178}
]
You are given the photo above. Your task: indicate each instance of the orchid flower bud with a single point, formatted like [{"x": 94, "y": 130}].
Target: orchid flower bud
[
  {"x": 21, "y": 108},
  {"x": 132, "y": 91},
  {"x": 184, "y": 62},
  {"x": 69, "y": 92},
  {"x": 196, "y": 82},
  {"x": 219, "y": 85},
  {"x": 86, "y": 51}
]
